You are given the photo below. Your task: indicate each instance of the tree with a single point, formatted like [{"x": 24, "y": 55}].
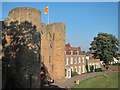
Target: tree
[
  {"x": 87, "y": 65},
  {"x": 84, "y": 52},
  {"x": 91, "y": 68},
  {"x": 105, "y": 47}
]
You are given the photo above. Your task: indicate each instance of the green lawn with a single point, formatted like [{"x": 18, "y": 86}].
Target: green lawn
[{"x": 100, "y": 82}]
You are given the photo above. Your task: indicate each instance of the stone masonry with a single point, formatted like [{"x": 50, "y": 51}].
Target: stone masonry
[{"x": 52, "y": 40}]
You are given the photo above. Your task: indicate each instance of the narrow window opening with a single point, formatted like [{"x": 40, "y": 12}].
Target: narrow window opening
[
  {"x": 53, "y": 36},
  {"x": 49, "y": 60}
]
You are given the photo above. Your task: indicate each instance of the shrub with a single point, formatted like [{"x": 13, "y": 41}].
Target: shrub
[
  {"x": 87, "y": 65},
  {"x": 87, "y": 68},
  {"x": 89, "y": 72},
  {"x": 74, "y": 74},
  {"x": 116, "y": 64},
  {"x": 98, "y": 70},
  {"x": 91, "y": 69}
]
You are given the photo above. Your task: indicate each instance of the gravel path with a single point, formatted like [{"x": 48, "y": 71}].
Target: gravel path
[{"x": 70, "y": 82}]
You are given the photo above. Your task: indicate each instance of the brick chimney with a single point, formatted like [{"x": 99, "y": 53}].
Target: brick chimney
[
  {"x": 79, "y": 49},
  {"x": 68, "y": 44}
]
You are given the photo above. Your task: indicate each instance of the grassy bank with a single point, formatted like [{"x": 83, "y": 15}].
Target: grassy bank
[{"x": 108, "y": 81}]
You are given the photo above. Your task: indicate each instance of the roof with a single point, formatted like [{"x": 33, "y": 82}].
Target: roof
[
  {"x": 1, "y": 21},
  {"x": 75, "y": 50},
  {"x": 89, "y": 54}
]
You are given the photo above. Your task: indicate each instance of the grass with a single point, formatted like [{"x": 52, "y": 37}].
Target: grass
[{"x": 99, "y": 82}]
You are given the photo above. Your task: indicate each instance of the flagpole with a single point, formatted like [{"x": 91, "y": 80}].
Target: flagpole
[{"x": 48, "y": 14}]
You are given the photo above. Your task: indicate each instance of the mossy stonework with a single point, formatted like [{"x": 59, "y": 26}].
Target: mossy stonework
[{"x": 52, "y": 40}]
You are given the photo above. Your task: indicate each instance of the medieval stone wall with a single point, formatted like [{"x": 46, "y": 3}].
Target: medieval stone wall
[
  {"x": 52, "y": 40},
  {"x": 59, "y": 51},
  {"x": 23, "y": 14},
  {"x": 53, "y": 49}
]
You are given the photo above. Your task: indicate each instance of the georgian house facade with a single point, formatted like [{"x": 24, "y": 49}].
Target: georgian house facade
[
  {"x": 75, "y": 61},
  {"x": 93, "y": 62}
]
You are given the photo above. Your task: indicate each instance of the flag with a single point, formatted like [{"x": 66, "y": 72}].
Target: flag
[{"x": 46, "y": 10}]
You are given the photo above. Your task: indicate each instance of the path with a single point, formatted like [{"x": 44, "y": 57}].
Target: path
[{"x": 70, "y": 82}]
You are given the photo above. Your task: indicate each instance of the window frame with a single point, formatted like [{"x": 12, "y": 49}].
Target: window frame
[
  {"x": 79, "y": 59},
  {"x": 83, "y": 60},
  {"x": 71, "y": 60},
  {"x": 75, "y": 60},
  {"x": 67, "y": 61}
]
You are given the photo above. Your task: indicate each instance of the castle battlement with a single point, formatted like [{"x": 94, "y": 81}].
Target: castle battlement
[
  {"x": 19, "y": 9},
  {"x": 52, "y": 40}
]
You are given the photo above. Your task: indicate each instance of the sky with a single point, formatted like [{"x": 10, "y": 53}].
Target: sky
[{"x": 84, "y": 20}]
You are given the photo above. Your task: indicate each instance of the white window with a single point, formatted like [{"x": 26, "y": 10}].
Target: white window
[
  {"x": 75, "y": 60},
  {"x": 87, "y": 57},
  {"x": 71, "y": 52},
  {"x": 82, "y": 59},
  {"x": 79, "y": 69},
  {"x": 71, "y": 60},
  {"x": 90, "y": 64},
  {"x": 67, "y": 61},
  {"x": 75, "y": 69},
  {"x": 83, "y": 69},
  {"x": 79, "y": 60}
]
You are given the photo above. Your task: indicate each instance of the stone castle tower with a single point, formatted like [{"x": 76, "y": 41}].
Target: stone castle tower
[{"x": 52, "y": 40}]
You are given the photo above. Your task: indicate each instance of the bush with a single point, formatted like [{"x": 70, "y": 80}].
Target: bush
[
  {"x": 91, "y": 69},
  {"x": 89, "y": 72},
  {"x": 87, "y": 68},
  {"x": 87, "y": 65},
  {"x": 116, "y": 64},
  {"x": 74, "y": 74},
  {"x": 98, "y": 70}
]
